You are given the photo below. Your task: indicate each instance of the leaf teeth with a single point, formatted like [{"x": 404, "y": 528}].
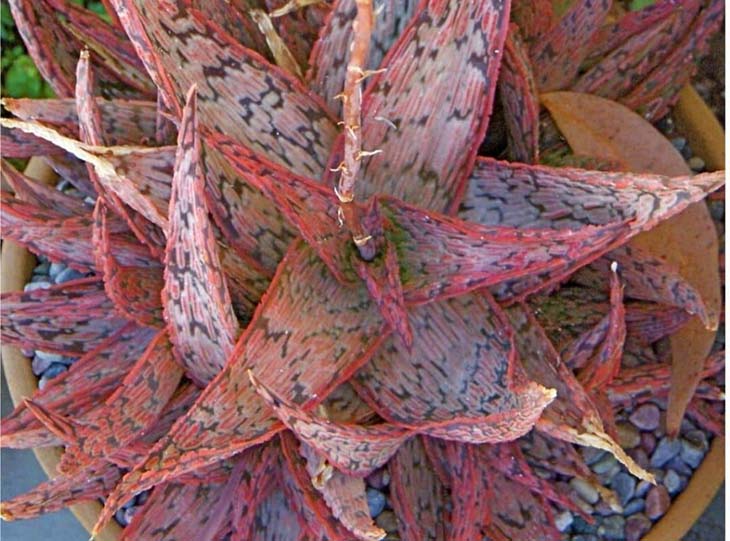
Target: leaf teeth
[{"x": 195, "y": 286}]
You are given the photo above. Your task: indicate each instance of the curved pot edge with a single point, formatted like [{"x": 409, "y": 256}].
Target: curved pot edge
[{"x": 694, "y": 118}]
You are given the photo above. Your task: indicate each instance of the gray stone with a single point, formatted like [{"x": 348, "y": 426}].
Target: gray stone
[
  {"x": 388, "y": 521},
  {"x": 642, "y": 488},
  {"x": 640, "y": 457},
  {"x": 131, "y": 502},
  {"x": 648, "y": 442},
  {"x": 636, "y": 526},
  {"x": 42, "y": 382},
  {"x": 143, "y": 497},
  {"x": 39, "y": 365},
  {"x": 48, "y": 356},
  {"x": 686, "y": 152},
  {"x": 130, "y": 512},
  {"x": 563, "y": 521},
  {"x": 657, "y": 502},
  {"x": 591, "y": 455},
  {"x": 36, "y": 285},
  {"x": 68, "y": 274},
  {"x": 39, "y": 278},
  {"x": 121, "y": 519},
  {"x": 55, "y": 268},
  {"x": 680, "y": 466},
  {"x": 646, "y": 417},
  {"x": 54, "y": 370},
  {"x": 679, "y": 143},
  {"x": 584, "y": 489},
  {"x": 612, "y": 527},
  {"x": 696, "y": 163},
  {"x": 44, "y": 267},
  {"x": 628, "y": 435},
  {"x": 376, "y": 501},
  {"x": 717, "y": 210},
  {"x": 584, "y": 537},
  {"x": 634, "y": 506},
  {"x": 580, "y": 526},
  {"x": 624, "y": 485},
  {"x": 667, "y": 449},
  {"x": 672, "y": 481},
  {"x": 379, "y": 479},
  {"x": 604, "y": 465},
  {"x": 692, "y": 453}
]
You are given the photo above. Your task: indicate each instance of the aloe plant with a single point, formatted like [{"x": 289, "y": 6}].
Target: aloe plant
[{"x": 300, "y": 270}]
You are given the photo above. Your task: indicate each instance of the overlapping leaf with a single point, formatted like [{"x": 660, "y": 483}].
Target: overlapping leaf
[
  {"x": 197, "y": 304},
  {"x": 39, "y": 194}
]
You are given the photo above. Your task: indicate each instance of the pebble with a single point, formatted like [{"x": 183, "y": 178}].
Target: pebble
[
  {"x": 48, "y": 356},
  {"x": 563, "y": 521},
  {"x": 121, "y": 519},
  {"x": 628, "y": 435},
  {"x": 376, "y": 501},
  {"x": 143, "y": 497},
  {"x": 131, "y": 502},
  {"x": 55, "y": 269},
  {"x": 636, "y": 526},
  {"x": 648, "y": 442},
  {"x": 32, "y": 286},
  {"x": 646, "y": 417},
  {"x": 612, "y": 527},
  {"x": 45, "y": 266},
  {"x": 584, "y": 490},
  {"x": 379, "y": 479},
  {"x": 580, "y": 526},
  {"x": 39, "y": 278},
  {"x": 692, "y": 453},
  {"x": 657, "y": 502},
  {"x": 640, "y": 457},
  {"x": 679, "y": 143},
  {"x": 680, "y": 466},
  {"x": 686, "y": 152},
  {"x": 696, "y": 163},
  {"x": 39, "y": 365},
  {"x": 129, "y": 513},
  {"x": 583, "y": 537},
  {"x": 388, "y": 521},
  {"x": 68, "y": 274},
  {"x": 54, "y": 370},
  {"x": 636, "y": 505},
  {"x": 624, "y": 485},
  {"x": 606, "y": 464},
  {"x": 672, "y": 482},
  {"x": 642, "y": 488},
  {"x": 667, "y": 449},
  {"x": 591, "y": 455},
  {"x": 717, "y": 210}
]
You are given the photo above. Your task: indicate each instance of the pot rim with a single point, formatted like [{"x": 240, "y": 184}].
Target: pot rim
[{"x": 706, "y": 137}]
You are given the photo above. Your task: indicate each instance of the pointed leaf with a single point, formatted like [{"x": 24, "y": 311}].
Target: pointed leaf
[
  {"x": 453, "y": 49},
  {"x": 87, "y": 383},
  {"x": 39, "y": 194},
  {"x": 197, "y": 304},
  {"x": 354, "y": 449},
  {"x": 518, "y": 92},
  {"x": 451, "y": 387},
  {"x": 68, "y": 318},
  {"x": 62, "y": 491},
  {"x": 557, "y": 55}
]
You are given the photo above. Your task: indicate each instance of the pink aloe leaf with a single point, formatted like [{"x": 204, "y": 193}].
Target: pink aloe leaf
[
  {"x": 659, "y": 91},
  {"x": 328, "y": 61},
  {"x": 613, "y": 35},
  {"x": 647, "y": 278},
  {"x": 443, "y": 256},
  {"x": 52, "y": 50},
  {"x": 522, "y": 516},
  {"x": 39, "y": 194},
  {"x": 572, "y": 416},
  {"x": 274, "y": 520},
  {"x": 111, "y": 49},
  {"x": 62, "y": 491},
  {"x": 188, "y": 511},
  {"x": 87, "y": 383},
  {"x": 73, "y": 317},
  {"x": 133, "y": 407},
  {"x": 202, "y": 325},
  {"x": 557, "y": 55},
  {"x": 19, "y": 144},
  {"x": 518, "y": 92},
  {"x": 68, "y": 240},
  {"x": 418, "y": 496},
  {"x": 343, "y": 331},
  {"x": 135, "y": 291},
  {"x": 454, "y": 49},
  {"x": 304, "y": 498},
  {"x": 72, "y": 170},
  {"x": 605, "y": 363},
  {"x": 353, "y": 449},
  {"x": 640, "y": 53},
  {"x": 90, "y": 127},
  {"x": 648, "y": 323},
  {"x": 453, "y": 388},
  {"x": 457, "y": 464},
  {"x": 534, "y": 18},
  {"x": 297, "y": 133}
]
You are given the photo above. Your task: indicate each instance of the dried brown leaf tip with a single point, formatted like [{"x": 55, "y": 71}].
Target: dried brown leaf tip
[{"x": 307, "y": 270}]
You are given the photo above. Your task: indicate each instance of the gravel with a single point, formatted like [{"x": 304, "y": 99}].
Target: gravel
[
  {"x": 376, "y": 501},
  {"x": 667, "y": 449}
]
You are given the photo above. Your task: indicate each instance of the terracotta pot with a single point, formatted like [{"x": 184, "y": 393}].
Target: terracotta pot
[{"x": 706, "y": 137}]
